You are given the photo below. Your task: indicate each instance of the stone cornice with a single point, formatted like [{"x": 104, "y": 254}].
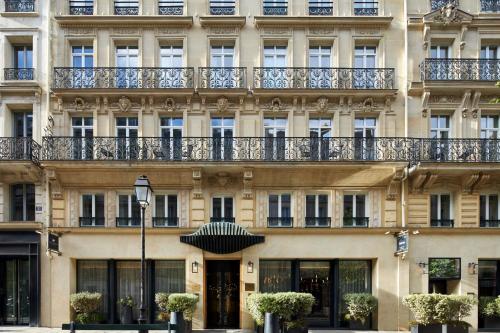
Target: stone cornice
[
  {"x": 224, "y": 21},
  {"x": 323, "y": 21},
  {"x": 104, "y": 21}
]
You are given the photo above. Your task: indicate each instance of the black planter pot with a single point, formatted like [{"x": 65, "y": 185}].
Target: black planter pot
[
  {"x": 438, "y": 328},
  {"x": 258, "y": 329},
  {"x": 177, "y": 318},
  {"x": 126, "y": 315},
  {"x": 271, "y": 323},
  {"x": 297, "y": 330},
  {"x": 189, "y": 326},
  {"x": 491, "y": 322},
  {"x": 357, "y": 325}
]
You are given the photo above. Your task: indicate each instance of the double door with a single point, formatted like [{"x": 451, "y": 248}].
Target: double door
[{"x": 14, "y": 291}]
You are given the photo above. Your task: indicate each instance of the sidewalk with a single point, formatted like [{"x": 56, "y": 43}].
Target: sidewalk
[{"x": 17, "y": 329}]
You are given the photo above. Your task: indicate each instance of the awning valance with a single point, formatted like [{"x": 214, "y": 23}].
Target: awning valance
[{"x": 222, "y": 238}]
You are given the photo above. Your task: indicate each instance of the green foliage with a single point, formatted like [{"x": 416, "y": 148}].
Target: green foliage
[
  {"x": 126, "y": 301},
  {"x": 489, "y": 306},
  {"x": 442, "y": 267},
  {"x": 290, "y": 307},
  {"x": 185, "y": 303},
  {"x": 439, "y": 309},
  {"x": 86, "y": 306},
  {"x": 360, "y": 306}
]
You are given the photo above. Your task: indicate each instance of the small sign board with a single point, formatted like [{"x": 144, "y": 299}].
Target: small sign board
[
  {"x": 402, "y": 242},
  {"x": 53, "y": 243}
]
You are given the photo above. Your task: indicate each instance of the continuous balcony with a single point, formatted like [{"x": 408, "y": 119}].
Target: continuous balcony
[
  {"x": 492, "y": 6},
  {"x": 18, "y": 74},
  {"x": 19, "y": 6},
  {"x": 457, "y": 150},
  {"x": 19, "y": 149},
  {"x": 170, "y": 7},
  {"x": 366, "y": 8},
  {"x": 323, "y": 78},
  {"x": 123, "y": 78},
  {"x": 438, "y": 4},
  {"x": 320, "y": 8},
  {"x": 460, "y": 70},
  {"x": 222, "y": 78}
]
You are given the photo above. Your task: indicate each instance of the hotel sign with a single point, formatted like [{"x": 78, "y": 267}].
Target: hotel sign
[
  {"x": 53, "y": 243},
  {"x": 402, "y": 243}
]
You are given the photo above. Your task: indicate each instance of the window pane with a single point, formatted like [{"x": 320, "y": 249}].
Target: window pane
[
  {"x": 360, "y": 206},
  {"x": 273, "y": 206},
  {"x": 286, "y": 205},
  {"x": 482, "y": 204},
  {"x": 217, "y": 207},
  {"x": 170, "y": 276},
  {"x": 445, "y": 207},
  {"x": 354, "y": 277},
  {"x": 92, "y": 276},
  {"x": 123, "y": 206},
  {"x": 228, "y": 207},
  {"x": 310, "y": 206},
  {"x": 99, "y": 205},
  {"x": 434, "y": 207},
  {"x": 160, "y": 206},
  {"x": 275, "y": 276},
  {"x": 323, "y": 206},
  {"x": 493, "y": 207},
  {"x": 172, "y": 206},
  {"x": 30, "y": 202},
  {"x": 348, "y": 206},
  {"x": 87, "y": 205}
]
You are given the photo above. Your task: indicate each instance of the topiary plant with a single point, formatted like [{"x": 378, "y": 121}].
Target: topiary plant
[
  {"x": 360, "y": 306},
  {"x": 258, "y": 304},
  {"x": 489, "y": 306},
  {"x": 86, "y": 306},
  {"x": 185, "y": 303},
  {"x": 161, "y": 300}
]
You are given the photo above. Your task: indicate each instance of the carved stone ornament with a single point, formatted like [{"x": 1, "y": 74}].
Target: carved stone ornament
[
  {"x": 169, "y": 105},
  {"x": 322, "y": 104},
  {"x": 124, "y": 104},
  {"x": 222, "y": 104},
  {"x": 79, "y": 104},
  {"x": 448, "y": 14},
  {"x": 425, "y": 113},
  {"x": 276, "y": 105}
]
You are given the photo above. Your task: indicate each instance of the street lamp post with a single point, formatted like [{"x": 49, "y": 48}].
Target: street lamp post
[{"x": 143, "y": 193}]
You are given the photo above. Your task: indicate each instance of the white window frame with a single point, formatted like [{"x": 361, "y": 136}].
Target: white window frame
[
  {"x": 354, "y": 196},
  {"x": 222, "y": 127},
  {"x": 439, "y": 195},
  {"x": 316, "y": 204},
  {"x": 366, "y": 127},
  {"x": 364, "y": 52},
  {"x": 82, "y": 127},
  {"x": 321, "y": 52},
  {"x": 226, "y": 51},
  {"x": 127, "y": 127},
  {"x": 280, "y": 199},
  {"x": 130, "y": 202},
  {"x": 319, "y": 129},
  {"x": 171, "y": 128},
  {"x": 487, "y": 131},
  {"x": 223, "y": 205},
  {"x": 487, "y": 196},
  {"x": 94, "y": 194},
  {"x": 275, "y": 127},
  {"x": 165, "y": 201},
  {"x": 487, "y": 49},
  {"x": 127, "y": 52},
  {"x": 440, "y": 130},
  {"x": 275, "y": 52},
  {"x": 169, "y": 53},
  {"x": 82, "y": 55},
  {"x": 438, "y": 49}
]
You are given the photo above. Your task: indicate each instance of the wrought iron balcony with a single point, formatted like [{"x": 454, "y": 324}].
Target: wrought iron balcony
[
  {"x": 457, "y": 150},
  {"x": 19, "y": 149},
  {"x": 126, "y": 10},
  {"x": 489, "y": 223},
  {"x": 320, "y": 8},
  {"x": 222, "y": 220},
  {"x": 318, "y": 222},
  {"x": 81, "y": 10},
  {"x": 19, "y": 6},
  {"x": 165, "y": 222},
  {"x": 356, "y": 222},
  {"x": 123, "y": 78},
  {"x": 18, "y": 74},
  {"x": 366, "y": 8},
  {"x": 280, "y": 222},
  {"x": 460, "y": 70},
  {"x": 170, "y": 10},
  {"x": 323, "y": 78},
  {"x": 438, "y": 4},
  {"x": 442, "y": 223},
  {"x": 247, "y": 149},
  {"x": 222, "y": 77},
  {"x": 128, "y": 221},
  {"x": 275, "y": 7},
  {"x": 92, "y": 221},
  {"x": 492, "y": 6},
  {"x": 222, "y": 7}
]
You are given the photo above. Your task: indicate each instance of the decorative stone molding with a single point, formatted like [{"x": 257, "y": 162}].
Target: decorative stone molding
[
  {"x": 276, "y": 105},
  {"x": 472, "y": 182},
  {"x": 425, "y": 104},
  {"x": 197, "y": 184},
  {"x": 56, "y": 188},
  {"x": 124, "y": 104},
  {"x": 448, "y": 14},
  {"x": 222, "y": 104},
  {"x": 394, "y": 185},
  {"x": 248, "y": 184},
  {"x": 423, "y": 182},
  {"x": 322, "y": 104},
  {"x": 169, "y": 105}
]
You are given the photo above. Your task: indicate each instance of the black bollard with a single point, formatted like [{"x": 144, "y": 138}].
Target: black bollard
[
  {"x": 177, "y": 319},
  {"x": 271, "y": 323}
]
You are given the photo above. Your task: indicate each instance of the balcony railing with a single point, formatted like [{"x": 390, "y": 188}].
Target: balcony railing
[
  {"x": 323, "y": 78},
  {"x": 170, "y": 7},
  {"x": 19, "y": 6},
  {"x": 92, "y": 221},
  {"x": 123, "y": 78},
  {"x": 320, "y": 8},
  {"x": 81, "y": 10},
  {"x": 275, "y": 7},
  {"x": 460, "y": 70},
  {"x": 366, "y": 8},
  {"x": 126, "y": 10},
  {"x": 489, "y": 223},
  {"x": 128, "y": 221},
  {"x": 165, "y": 222},
  {"x": 222, "y": 77},
  {"x": 492, "y": 6},
  {"x": 19, "y": 149},
  {"x": 457, "y": 150},
  {"x": 227, "y": 149},
  {"x": 280, "y": 222},
  {"x": 222, "y": 220},
  {"x": 318, "y": 222},
  {"x": 438, "y": 4},
  {"x": 356, "y": 222},
  {"x": 222, "y": 7},
  {"x": 18, "y": 74},
  {"x": 442, "y": 223}
]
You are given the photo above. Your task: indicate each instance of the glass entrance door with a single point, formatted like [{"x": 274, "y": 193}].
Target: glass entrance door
[
  {"x": 315, "y": 279},
  {"x": 14, "y": 292}
]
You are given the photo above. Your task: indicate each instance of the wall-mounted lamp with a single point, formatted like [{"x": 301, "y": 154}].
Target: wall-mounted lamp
[
  {"x": 472, "y": 268},
  {"x": 194, "y": 267},
  {"x": 250, "y": 267},
  {"x": 423, "y": 266}
]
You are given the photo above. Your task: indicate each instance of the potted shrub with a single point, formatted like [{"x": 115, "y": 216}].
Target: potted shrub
[
  {"x": 489, "y": 310},
  {"x": 182, "y": 307},
  {"x": 86, "y": 306},
  {"x": 262, "y": 308},
  {"x": 126, "y": 310},
  {"x": 359, "y": 308},
  {"x": 161, "y": 300},
  {"x": 436, "y": 313}
]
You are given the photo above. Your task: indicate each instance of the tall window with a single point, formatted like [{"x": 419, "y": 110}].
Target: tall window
[
  {"x": 275, "y": 276},
  {"x": 82, "y": 58},
  {"x": 92, "y": 210},
  {"x": 127, "y": 61},
  {"x": 442, "y": 69},
  {"x": 92, "y": 276},
  {"x": 171, "y": 138},
  {"x": 170, "y": 7},
  {"x": 441, "y": 210},
  {"x": 280, "y": 210},
  {"x": 83, "y": 131},
  {"x": 81, "y": 7},
  {"x": 274, "y": 73},
  {"x": 275, "y": 7},
  {"x": 126, "y": 7},
  {"x": 489, "y": 132},
  {"x": 171, "y": 56},
  {"x": 222, "y": 209},
  {"x": 320, "y": 63},
  {"x": 23, "y": 202},
  {"x": 440, "y": 133},
  {"x": 366, "y": 7},
  {"x": 23, "y": 129},
  {"x": 166, "y": 211},
  {"x": 365, "y": 130},
  {"x": 440, "y": 51},
  {"x": 222, "y": 73},
  {"x": 222, "y": 7},
  {"x": 275, "y": 138},
  {"x": 275, "y": 56},
  {"x": 129, "y": 211},
  {"x": 317, "y": 210},
  {"x": 355, "y": 210},
  {"x": 489, "y": 210},
  {"x": 489, "y": 127},
  {"x": 23, "y": 64},
  {"x": 127, "y": 142},
  {"x": 320, "y": 7},
  {"x": 320, "y": 133},
  {"x": 365, "y": 60},
  {"x": 222, "y": 136}
]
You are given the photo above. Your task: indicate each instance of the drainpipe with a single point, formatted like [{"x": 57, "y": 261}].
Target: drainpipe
[{"x": 408, "y": 171}]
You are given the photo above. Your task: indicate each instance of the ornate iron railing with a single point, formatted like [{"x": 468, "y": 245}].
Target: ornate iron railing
[
  {"x": 170, "y": 10},
  {"x": 122, "y": 10},
  {"x": 92, "y": 221},
  {"x": 318, "y": 222},
  {"x": 280, "y": 222},
  {"x": 435, "y": 223},
  {"x": 222, "y": 77},
  {"x": 438, "y": 4},
  {"x": 320, "y": 8},
  {"x": 20, "y": 6},
  {"x": 460, "y": 70},
  {"x": 81, "y": 10},
  {"x": 356, "y": 222},
  {"x": 128, "y": 221},
  {"x": 18, "y": 74},
  {"x": 323, "y": 78},
  {"x": 366, "y": 8},
  {"x": 490, "y": 6},
  {"x": 489, "y": 223},
  {"x": 457, "y": 150},
  {"x": 222, "y": 7},
  {"x": 19, "y": 149},
  {"x": 165, "y": 222},
  {"x": 275, "y": 7},
  {"x": 123, "y": 78}
]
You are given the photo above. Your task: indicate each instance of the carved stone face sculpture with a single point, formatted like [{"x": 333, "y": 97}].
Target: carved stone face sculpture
[
  {"x": 322, "y": 104},
  {"x": 169, "y": 105},
  {"x": 222, "y": 104},
  {"x": 124, "y": 104}
]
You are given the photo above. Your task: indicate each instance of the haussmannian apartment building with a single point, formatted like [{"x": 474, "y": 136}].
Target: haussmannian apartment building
[{"x": 312, "y": 131}]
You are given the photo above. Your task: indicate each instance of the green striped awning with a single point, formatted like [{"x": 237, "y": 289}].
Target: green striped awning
[{"x": 222, "y": 238}]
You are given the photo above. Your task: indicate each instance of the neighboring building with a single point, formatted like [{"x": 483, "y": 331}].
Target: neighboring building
[{"x": 315, "y": 130}]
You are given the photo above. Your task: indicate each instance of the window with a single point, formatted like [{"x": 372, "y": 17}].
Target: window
[
  {"x": 23, "y": 64},
  {"x": 444, "y": 273},
  {"x": 92, "y": 210},
  {"x": 355, "y": 210},
  {"x": 82, "y": 56},
  {"x": 81, "y": 7},
  {"x": 275, "y": 276},
  {"x": 92, "y": 276},
  {"x": 365, "y": 60},
  {"x": 275, "y": 138},
  {"x": 317, "y": 210},
  {"x": 320, "y": 71},
  {"x": 440, "y": 52},
  {"x": 83, "y": 132},
  {"x": 126, "y": 7},
  {"x": 222, "y": 7},
  {"x": 441, "y": 210},
  {"x": 166, "y": 211},
  {"x": 127, "y": 141},
  {"x": 366, "y": 7},
  {"x": 280, "y": 210},
  {"x": 489, "y": 127},
  {"x": 489, "y": 133},
  {"x": 320, "y": 7},
  {"x": 17, "y": 6},
  {"x": 275, "y": 56},
  {"x": 171, "y": 56},
  {"x": 442, "y": 68},
  {"x": 170, "y": 7},
  {"x": 440, "y": 133},
  {"x": 127, "y": 75},
  {"x": 222, "y": 73},
  {"x": 129, "y": 211},
  {"x": 320, "y": 133},
  {"x": 365, "y": 129},
  {"x": 127, "y": 127},
  {"x": 23, "y": 130},
  {"x": 222, "y": 136},
  {"x": 171, "y": 139},
  {"x": 489, "y": 210},
  {"x": 222, "y": 209},
  {"x": 23, "y": 202},
  {"x": 275, "y": 7},
  {"x": 274, "y": 73}
]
